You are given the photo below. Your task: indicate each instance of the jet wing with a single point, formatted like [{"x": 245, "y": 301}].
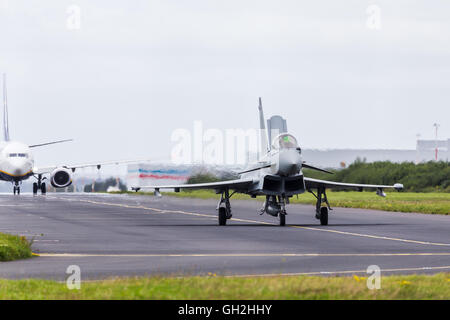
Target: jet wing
[
  {"x": 48, "y": 169},
  {"x": 316, "y": 183},
  {"x": 239, "y": 184}
]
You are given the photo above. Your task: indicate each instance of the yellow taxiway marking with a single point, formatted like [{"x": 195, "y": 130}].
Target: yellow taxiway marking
[
  {"x": 212, "y": 255},
  {"x": 262, "y": 222}
]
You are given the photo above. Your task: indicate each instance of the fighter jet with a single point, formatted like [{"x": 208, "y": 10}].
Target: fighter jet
[
  {"x": 17, "y": 161},
  {"x": 277, "y": 175}
]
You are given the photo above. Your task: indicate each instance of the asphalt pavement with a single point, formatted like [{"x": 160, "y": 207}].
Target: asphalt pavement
[{"x": 125, "y": 235}]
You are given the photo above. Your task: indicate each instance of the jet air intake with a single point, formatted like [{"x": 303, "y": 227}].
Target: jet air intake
[{"x": 61, "y": 178}]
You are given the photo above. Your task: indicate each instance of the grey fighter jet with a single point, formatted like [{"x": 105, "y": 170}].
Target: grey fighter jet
[{"x": 277, "y": 175}]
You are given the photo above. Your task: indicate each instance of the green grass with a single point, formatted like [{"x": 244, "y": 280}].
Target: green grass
[
  {"x": 204, "y": 288},
  {"x": 14, "y": 247},
  {"x": 432, "y": 203}
]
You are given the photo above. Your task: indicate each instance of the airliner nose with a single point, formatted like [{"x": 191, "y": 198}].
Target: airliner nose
[
  {"x": 289, "y": 162},
  {"x": 18, "y": 171},
  {"x": 19, "y": 167}
]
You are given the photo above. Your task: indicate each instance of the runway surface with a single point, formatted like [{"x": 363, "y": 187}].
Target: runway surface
[{"x": 122, "y": 235}]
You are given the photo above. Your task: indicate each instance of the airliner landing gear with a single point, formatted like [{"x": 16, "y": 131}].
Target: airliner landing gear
[
  {"x": 16, "y": 188},
  {"x": 39, "y": 185},
  {"x": 224, "y": 207},
  {"x": 322, "y": 212}
]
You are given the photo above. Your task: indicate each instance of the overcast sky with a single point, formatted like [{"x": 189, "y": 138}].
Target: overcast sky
[{"x": 137, "y": 70}]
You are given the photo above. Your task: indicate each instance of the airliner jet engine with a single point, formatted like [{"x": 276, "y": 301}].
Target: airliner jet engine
[{"x": 61, "y": 178}]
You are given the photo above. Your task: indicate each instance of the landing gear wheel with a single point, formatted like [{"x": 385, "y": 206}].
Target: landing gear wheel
[
  {"x": 35, "y": 188},
  {"x": 15, "y": 190},
  {"x": 222, "y": 216},
  {"x": 43, "y": 188},
  {"x": 324, "y": 216},
  {"x": 282, "y": 219}
]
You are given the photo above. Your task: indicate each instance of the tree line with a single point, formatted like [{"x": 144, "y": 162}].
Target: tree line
[{"x": 423, "y": 177}]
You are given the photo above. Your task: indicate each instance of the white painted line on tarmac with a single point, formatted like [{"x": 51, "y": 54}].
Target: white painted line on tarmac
[
  {"x": 261, "y": 222},
  {"x": 207, "y": 255},
  {"x": 333, "y": 272}
]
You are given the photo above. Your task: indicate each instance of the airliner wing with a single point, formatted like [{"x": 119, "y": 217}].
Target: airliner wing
[
  {"x": 43, "y": 170},
  {"x": 49, "y": 143},
  {"x": 316, "y": 183},
  {"x": 239, "y": 184}
]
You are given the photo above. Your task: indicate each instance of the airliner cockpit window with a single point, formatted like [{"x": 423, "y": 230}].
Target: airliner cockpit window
[
  {"x": 285, "y": 141},
  {"x": 12, "y": 155},
  {"x": 22, "y": 155}
]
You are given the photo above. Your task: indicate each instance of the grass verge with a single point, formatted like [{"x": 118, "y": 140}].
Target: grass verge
[
  {"x": 432, "y": 203},
  {"x": 272, "y": 288},
  {"x": 14, "y": 247}
]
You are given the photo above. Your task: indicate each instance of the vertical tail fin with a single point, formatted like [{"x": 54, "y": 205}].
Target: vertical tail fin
[
  {"x": 5, "y": 111},
  {"x": 264, "y": 146}
]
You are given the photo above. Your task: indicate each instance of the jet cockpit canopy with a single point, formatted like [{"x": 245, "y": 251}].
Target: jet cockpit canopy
[{"x": 284, "y": 141}]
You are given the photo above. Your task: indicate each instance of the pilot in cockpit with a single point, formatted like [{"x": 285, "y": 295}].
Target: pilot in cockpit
[{"x": 284, "y": 141}]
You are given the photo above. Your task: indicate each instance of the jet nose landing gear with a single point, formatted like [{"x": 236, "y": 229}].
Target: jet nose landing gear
[
  {"x": 16, "y": 188},
  {"x": 282, "y": 218},
  {"x": 276, "y": 208}
]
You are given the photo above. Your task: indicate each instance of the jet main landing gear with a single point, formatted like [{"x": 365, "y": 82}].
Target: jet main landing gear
[
  {"x": 224, "y": 207},
  {"x": 39, "y": 185},
  {"x": 322, "y": 211}
]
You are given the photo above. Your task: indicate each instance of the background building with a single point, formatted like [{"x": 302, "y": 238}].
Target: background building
[
  {"x": 160, "y": 174},
  {"x": 338, "y": 158}
]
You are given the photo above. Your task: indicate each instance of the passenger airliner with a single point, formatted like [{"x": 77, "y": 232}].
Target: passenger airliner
[{"x": 17, "y": 162}]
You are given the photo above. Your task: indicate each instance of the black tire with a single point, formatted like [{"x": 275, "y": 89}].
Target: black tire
[
  {"x": 18, "y": 190},
  {"x": 14, "y": 190},
  {"x": 282, "y": 219},
  {"x": 222, "y": 216},
  {"x": 324, "y": 216},
  {"x": 43, "y": 188},
  {"x": 35, "y": 188}
]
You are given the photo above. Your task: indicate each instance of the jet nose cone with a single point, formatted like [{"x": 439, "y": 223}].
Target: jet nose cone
[{"x": 290, "y": 163}]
